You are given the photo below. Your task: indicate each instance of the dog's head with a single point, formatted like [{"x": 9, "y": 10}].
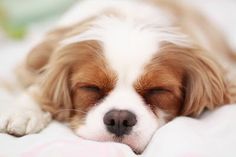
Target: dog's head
[{"x": 120, "y": 80}]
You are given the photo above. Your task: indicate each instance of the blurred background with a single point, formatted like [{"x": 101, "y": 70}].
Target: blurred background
[
  {"x": 17, "y": 15},
  {"x": 22, "y": 23}
]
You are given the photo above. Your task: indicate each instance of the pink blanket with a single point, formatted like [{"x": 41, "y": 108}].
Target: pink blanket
[
  {"x": 57, "y": 140},
  {"x": 76, "y": 148}
]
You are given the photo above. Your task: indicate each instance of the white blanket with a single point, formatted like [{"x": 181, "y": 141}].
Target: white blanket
[{"x": 213, "y": 135}]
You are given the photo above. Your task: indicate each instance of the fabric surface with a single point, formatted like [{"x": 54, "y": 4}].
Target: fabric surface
[
  {"x": 57, "y": 140},
  {"x": 213, "y": 135}
]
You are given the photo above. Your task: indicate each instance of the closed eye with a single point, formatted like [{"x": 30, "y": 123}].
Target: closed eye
[
  {"x": 91, "y": 88},
  {"x": 156, "y": 90}
]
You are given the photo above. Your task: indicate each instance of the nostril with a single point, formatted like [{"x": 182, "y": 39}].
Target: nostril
[
  {"x": 130, "y": 120},
  {"x": 125, "y": 123},
  {"x": 110, "y": 119},
  {"x": 112, "y": 122}
]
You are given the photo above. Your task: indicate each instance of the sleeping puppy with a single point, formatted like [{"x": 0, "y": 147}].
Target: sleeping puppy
[{"x": 119, "y": 70}]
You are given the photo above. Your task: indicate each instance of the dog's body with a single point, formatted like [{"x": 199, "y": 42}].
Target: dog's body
[{"x": 117, "y": 71}]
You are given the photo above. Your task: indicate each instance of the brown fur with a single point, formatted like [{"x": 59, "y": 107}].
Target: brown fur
[
  {"x": 159, "y": 76},
  {"x": 191, "y": 77},
  {"x": 40, "y": 55},
  {"x": 203, "y": 84},
  {"x": 192, "y": 81},
  {"x": 64, "y": 84}
]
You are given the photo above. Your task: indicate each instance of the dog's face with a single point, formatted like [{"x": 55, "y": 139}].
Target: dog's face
[
  {"x": 124, "y": 96},
  {"x": 122, "y": 80}
]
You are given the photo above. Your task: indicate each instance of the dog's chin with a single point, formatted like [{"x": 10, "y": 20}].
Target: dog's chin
[
  {"x": 131, "y": 142},
  {"x": 127, "y": 140}
]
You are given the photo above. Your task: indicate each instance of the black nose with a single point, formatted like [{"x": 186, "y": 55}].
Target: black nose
[{"x": 119, "y": 122}]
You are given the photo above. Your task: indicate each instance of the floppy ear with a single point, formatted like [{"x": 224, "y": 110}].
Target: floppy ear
[
  {"x": 55, "y": 94},
  {"x": 39, "y": 56},
  {"x": 28, "y": 71},
  {"x": 203, "y": 82},
  {"x": 204, "y": 85},
  {"x": 56, "y": 86},
  {"x": 41, "y": 53}
]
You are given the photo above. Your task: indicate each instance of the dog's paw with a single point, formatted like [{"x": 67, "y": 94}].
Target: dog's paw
[{"x": 22, "y": 121}]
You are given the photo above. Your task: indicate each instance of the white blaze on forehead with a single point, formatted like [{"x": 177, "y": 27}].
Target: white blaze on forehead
[
  {"x": 128, "y": 49},
  {"x": 129, "y": 42},
  {"x": 127, "y": 45},
  {"x": 131, "y": 38}
]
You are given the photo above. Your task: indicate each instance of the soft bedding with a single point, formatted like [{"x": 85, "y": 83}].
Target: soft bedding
[
  {"x": 57, "y": 140},
  {"x": 212, "y": 135}
]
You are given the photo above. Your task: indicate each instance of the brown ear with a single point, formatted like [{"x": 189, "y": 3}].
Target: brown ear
[
  {"x": 28, "y": 71},
  {"x": 203, "y": 82},
  {"x": 204, "y": 85},
  {"x": 39, "y": 56},
  {"x": 56, "y": 88},
  {"x": 55, "y": 94}
]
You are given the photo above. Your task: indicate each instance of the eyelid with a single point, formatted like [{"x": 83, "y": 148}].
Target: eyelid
[
  {"x": 87, "y": 87},
  {"x": 155, "y": 90},
  {"x": 93, "y": 88}
]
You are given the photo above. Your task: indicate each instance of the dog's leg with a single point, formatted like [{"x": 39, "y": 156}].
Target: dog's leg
[{"x": 21, "y": 115}]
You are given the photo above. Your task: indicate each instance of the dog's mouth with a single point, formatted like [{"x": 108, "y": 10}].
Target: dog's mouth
[
  {"x": 120, "y": 139},
  {"x": 131, "y": 143}
]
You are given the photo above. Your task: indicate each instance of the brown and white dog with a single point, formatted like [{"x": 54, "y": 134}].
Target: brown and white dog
[{"x": 119, "y": 70}]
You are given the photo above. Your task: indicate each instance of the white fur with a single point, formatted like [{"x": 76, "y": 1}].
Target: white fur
[
  {"x": 134, "y": 17},
  {"x": 21, "y": 115},
  {"x": 122, "y": 98},
  {"x": 129, "y": 43}
]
